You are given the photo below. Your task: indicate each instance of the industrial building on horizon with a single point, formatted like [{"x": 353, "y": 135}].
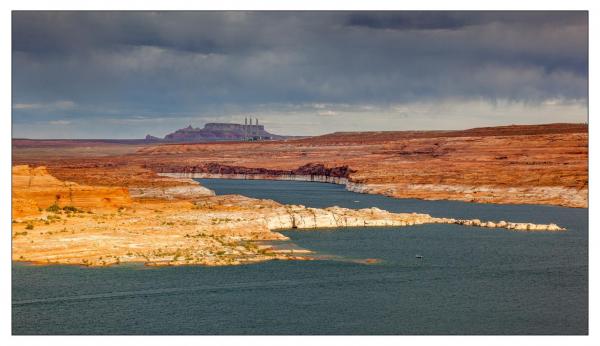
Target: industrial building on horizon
[
  {"x": 253, "y": 132},
  {"x": 250, "y": 130}
]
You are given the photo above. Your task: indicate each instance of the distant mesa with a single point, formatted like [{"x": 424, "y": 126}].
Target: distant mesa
[
  {"x": 219, "y": 132},
  {"x": 150, "y": 138}
]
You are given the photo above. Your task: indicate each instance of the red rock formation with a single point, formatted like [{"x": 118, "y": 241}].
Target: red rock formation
[
  {"x": 546, "y": 164},
  {"x": 316, "y": 169}
]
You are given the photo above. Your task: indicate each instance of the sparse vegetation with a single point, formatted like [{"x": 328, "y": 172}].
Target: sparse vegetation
[
  {"x": 29, "y": 226},
  {"x": 215, "y": 221},
  {"x": 72, "y": 209},
  {"x": 54, "y": 208}
]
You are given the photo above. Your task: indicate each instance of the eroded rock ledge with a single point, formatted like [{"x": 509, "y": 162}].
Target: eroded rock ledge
[
  {"x": 214, "y": 168},
  {"x": 301, "y": 217}
]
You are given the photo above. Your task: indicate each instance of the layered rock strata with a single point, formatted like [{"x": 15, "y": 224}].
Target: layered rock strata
[
  {"x": 537, "y": 164},
  {"x": 492, "y": 194},
  {"x": 34, "y": 189},
  {"x": 237, "y": 176},
  {"x": 532, "y": 164}
]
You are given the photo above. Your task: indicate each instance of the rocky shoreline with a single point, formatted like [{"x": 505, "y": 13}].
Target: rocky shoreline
[
  {"x": 252, "y": 176},
  {"x": 58, "y": 222},
  {"x": 214, "y": 231},
  {"x": 301, "y": 217},
  {"x": 571, "y": 197}
]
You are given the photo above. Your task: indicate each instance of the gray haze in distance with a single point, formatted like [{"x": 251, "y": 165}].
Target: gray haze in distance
[{"x": 126, "y": 74}]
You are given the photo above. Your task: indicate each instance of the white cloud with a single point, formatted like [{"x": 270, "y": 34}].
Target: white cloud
[
  {"x": 59, "y": 122},
  {"x": 26, "y": 106},
  {"x": 327, "y": 113},
  {"x": 56, "y": 105}
]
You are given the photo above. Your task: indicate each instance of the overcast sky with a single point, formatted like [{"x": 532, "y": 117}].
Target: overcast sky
[{"x": 126, "y": 74}]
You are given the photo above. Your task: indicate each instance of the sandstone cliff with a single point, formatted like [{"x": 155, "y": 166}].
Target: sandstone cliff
[{"x": 34, "y": 189}]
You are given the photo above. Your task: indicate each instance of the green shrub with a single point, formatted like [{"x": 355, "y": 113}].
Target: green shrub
[
  {"x": 70, "y": 209},
  {"x": 29, "y": 226},
  {"x": 54, "y": 208}
]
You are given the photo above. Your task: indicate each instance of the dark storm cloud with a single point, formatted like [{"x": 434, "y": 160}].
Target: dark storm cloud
[
  {"x": 72, "y": 33},
  {"x": 74, "y": 65},
  {"x": 409, "y": 20},
  {"x": 452, "y": 20}
]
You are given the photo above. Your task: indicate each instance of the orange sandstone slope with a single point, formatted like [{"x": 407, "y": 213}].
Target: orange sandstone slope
[{"x": 34, "y": 189}]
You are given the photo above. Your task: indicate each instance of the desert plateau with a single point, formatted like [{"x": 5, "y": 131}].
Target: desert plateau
[{"x": 95, "y": 203}]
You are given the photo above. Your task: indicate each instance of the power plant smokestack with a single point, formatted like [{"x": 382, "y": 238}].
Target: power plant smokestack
[{"x": 251, "y": 129}]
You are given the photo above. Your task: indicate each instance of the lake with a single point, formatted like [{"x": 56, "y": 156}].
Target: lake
[{"x": 468, "y": 281}]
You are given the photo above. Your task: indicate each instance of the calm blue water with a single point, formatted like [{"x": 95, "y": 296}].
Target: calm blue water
[{"x": 470, "y": 280}]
